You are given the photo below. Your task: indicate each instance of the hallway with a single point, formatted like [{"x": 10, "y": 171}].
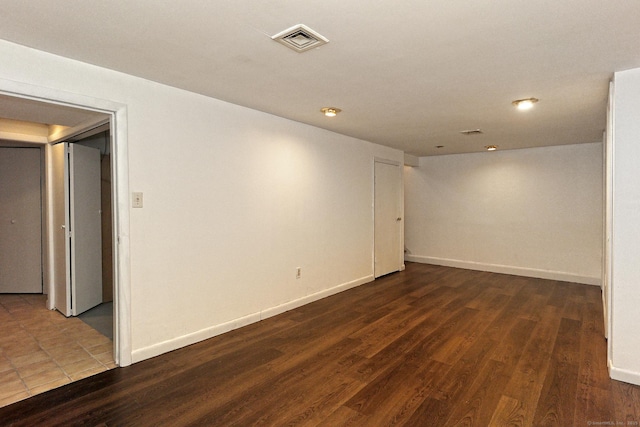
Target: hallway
[{"x": 40, "y": 349}]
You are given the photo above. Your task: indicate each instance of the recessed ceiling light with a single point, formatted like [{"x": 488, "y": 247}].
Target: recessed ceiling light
[
  {"x": 330, "y": 111},
  {"x": 525, "y": 104},
  {"x": 491, "y": 147},
  {"x": 471, "y": 132}
]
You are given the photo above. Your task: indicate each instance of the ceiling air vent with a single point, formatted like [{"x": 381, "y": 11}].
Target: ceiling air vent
[{"x": 300, "y": 38}]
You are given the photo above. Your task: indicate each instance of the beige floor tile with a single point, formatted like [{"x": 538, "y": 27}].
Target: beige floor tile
[
  {"x": 35, "y": 299},
  {"x": 37, "y": 368},
  {"x": 40, "y": 349},
  {"x": 87, "y": 373},
  {"x": 76, "y": 327},
  {"x": 60, "y": 352},
  {"x": 13, "y": 333},
  {"x": 101, "y": 348},
  {"x": 82, "y": 365},
  {"x": 44, "y": 378},
  {"x": 104, "y": 358},
  {"x": 5, "y": 316},
  {"x": 72, "y": 358},
  {"x": 93, "y": 339},
  {"x": 49, "y": 386},
  {"x": 5, "y": 401},
  {"x": 5, "y": 364},
  {"x": 56, "y": 340},
  {"x": 19, "y": 349},
  {"x": 29, "y": 358},
  {"x": 15, "y": 306},
  {"x": 10, "y": 384},
  {"x": 41, "y": 328},
  {"x": 22, "y": 313},
  {"x": 57, "y": 318}
]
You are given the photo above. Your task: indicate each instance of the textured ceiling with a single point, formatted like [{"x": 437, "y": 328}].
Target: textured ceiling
[{"x": 410, "y": 75}]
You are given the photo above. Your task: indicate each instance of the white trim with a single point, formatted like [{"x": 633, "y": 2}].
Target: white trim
[
  {"x": 120, "y": 177},
  {"x": 624, "y": 375},
  {"x": 506, "y": 269},
  {"x": 209, "y": 332},
  {"x": 82, "y": 128}
]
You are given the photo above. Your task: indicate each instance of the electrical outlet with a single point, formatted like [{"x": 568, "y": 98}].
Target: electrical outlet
[
  {"x": 298, "y": 273},
  {"x": 136, "y": 200}
]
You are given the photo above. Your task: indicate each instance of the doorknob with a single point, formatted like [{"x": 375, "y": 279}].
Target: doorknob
[
  {"x": 13, "y": 221},
  {"x": 63, "y": 226},
  {"x": 398, "y": 219}
]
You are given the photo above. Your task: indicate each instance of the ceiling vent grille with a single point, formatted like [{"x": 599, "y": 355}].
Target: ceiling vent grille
[{"x": 300, "y": 38}]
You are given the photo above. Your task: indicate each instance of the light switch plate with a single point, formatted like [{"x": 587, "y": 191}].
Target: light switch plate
[{"x": 136, "y": 200}]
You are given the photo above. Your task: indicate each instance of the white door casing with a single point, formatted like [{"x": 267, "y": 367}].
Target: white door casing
[{"x": 117, "y": 114}]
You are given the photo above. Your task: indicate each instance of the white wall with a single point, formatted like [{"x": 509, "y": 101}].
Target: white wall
[
  {"x": 234, "y": 201},
  {"x": 533, "y": 212},
  {"x": 624, "y": 339}
]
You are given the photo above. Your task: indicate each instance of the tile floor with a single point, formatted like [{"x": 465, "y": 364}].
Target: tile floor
[{"x": 40, "y": 349}]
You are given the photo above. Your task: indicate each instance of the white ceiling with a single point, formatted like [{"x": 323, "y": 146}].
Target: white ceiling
[
  {"x": 28, "y": 110},
  {"x": 407, "y": 74}
]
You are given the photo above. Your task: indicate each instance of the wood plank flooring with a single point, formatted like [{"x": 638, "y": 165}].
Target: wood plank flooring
[{"x": 430, "y": 346}]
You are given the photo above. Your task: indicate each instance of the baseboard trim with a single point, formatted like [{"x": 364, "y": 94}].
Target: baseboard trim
[
  {"x": 506, "y": 269},
  {"x": 624, "y": 375},
  {"x": 274, "y": 311},
  {"x": 210, "y": 332}
]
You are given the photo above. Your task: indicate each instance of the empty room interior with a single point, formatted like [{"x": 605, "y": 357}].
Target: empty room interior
[{"x": 319, "y": 213}]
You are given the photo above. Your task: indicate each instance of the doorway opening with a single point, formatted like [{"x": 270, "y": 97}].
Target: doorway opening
[
  {"x": 31, "y": 104},
  {"x": 100, "y": 316}
]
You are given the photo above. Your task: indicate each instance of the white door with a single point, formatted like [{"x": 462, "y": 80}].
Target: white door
[
  {"x": 81, "y": 230},
  {"x": 20, "y": 220},
  {"x": 387, "y": 219},
  {"x": 61, "y": 251}
]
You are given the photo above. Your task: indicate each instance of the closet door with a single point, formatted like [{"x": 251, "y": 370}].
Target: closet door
[
  {"x": 77, "y": 227},
  {"x": 86, "y": 228},
  {"x": 387, "y": 218},
  {"x": 20, "y": 220}
]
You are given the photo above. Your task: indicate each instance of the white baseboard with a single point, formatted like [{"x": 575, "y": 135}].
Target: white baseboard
[
  {"x": 210, "y": 332},
  {"x": 273, "y": 311},
  {"x": 624, "y": 375},
  {"x": 506, "y": 269}
]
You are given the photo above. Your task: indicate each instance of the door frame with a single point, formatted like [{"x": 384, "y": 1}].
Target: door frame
[
  {"x": 401, "y": 264},
  {"x": 117, "y": 118}
]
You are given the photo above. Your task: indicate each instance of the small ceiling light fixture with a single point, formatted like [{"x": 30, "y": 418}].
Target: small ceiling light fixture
[
  {"x": 525, "y": 104},
  {"x": 330, "y": 111},
  {"x": 491, "y": 147}
]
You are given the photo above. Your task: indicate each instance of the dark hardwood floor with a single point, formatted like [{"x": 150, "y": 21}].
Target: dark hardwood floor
[{"x": 430, "y": 346}]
